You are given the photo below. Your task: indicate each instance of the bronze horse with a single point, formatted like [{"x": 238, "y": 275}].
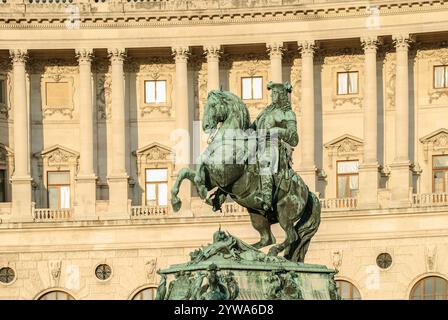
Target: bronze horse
[{"x": 295, "y": 208}]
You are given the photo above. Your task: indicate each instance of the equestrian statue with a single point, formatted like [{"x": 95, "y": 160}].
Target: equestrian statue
[{"x": 251, "y": 163}]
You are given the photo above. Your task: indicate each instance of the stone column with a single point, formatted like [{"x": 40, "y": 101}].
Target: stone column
[
  {"x": 308, "y": 168},
  {"x": 212, "y": 52},
  {"x": 118, "y": 178},
  {"x": 275, "y": 50},
  {"x": 21, "y": 178},
  {"x": 86, "y": 179},
  {"x": 368, "y": 169},
  {"x": 401, "y": 178},
  {"x": 181, "y": 137}
]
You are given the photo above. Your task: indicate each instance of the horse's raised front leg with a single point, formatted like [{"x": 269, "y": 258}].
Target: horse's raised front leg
[
  {"x": 262, "y": 225},
  {"x": 185, "y": 173}
]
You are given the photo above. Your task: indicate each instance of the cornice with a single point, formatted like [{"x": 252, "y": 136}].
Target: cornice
[{"x": 129, "y": 17}]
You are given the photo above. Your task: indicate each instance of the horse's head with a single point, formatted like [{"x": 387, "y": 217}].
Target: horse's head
[{"x": 222, "y": 106}]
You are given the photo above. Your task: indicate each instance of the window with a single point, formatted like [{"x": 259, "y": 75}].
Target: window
[
  {"x": 103, "y": 272},
  {"x": 441, "y": 77},
  {"x": 384, "y": 260},
  {"x": 155, "y": 91},
  {"x": 59, "y": 190},
  {"x": 348, "y": 82},
  {"x": 145, "y": 294},
  {"x": 440, "y": 173},
  {"x": 7, "y": 275},
  {"x": 56, "y": 295},
  {"x": 252, "y": 88},
  {"x": 157, "y": 187},
  {"x": 347, "y": 290},
  {"x": 430, "y": 288},
  {"x": 2, "y": 185},
  {"x": 347, "y": 178}
]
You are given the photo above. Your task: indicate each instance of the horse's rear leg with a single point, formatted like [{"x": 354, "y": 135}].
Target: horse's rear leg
[
  {"x": 287, "y": 224},
  {"x": 262, "y": 225}
]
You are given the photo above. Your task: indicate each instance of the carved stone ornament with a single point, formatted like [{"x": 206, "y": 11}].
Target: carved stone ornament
[
  {"x": 436, "y": 141},
  {"x": 390, "y": 75},
  {"x": 431, "y": 258},
  {"x": 5, "y": 105},
  {"x": 212, "y": 52},
  {"x": 346, "y": 146},
  {"x": 18, "y": 55},
  {"x": 116, "y": 55},
  {"x": 103, "y": 96},
  {"x": 153, "y": 155},
  {"x": 336, "y": 259},
  {"x": 58, "y": 157},
  {"x": 181, "y": 54},
  {"x": 54, "y": 268},
  {"x": 150, "y": 270},
  {"x": 275, "y": 49}
]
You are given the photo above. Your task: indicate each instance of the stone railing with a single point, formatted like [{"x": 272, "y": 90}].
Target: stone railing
[
  {"x": 151, "y": 211},
  {"x": 51, "y": 215},
  {"x": 430, "y": 199},
  {"x": 233, "y": 208},
  {"x": 339, "y": 203}
]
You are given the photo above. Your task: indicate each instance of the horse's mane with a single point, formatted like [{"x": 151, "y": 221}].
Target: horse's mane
[{"x": 235, "y": 105}]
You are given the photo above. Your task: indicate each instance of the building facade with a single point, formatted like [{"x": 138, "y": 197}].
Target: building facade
[{"x": 98, "y": 100}]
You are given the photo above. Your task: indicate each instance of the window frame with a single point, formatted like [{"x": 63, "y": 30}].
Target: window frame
[
  {"x": 155, "y": 92},
  {"x": 445, "y": 66},
  {"x": 252, "y": 88},
  {"x": 351, "y": 287},
  {"x": 345, "y": 175},
  {"x": 421, "y": 283},
  {"x": 348, "y": 83},
  {"x": 144, "y": 288},
  {"x": 442, "y": 169},
  {"x": 59, "y": 190},
  {"x": 156, "y": 183}
]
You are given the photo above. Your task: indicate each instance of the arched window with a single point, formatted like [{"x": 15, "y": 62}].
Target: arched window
[
  {"x": 347, "y": 290},
  {"x": 56, "y": 295},
  {"x": 148, "y": 293},
  {"x": 430, "y": 288}
]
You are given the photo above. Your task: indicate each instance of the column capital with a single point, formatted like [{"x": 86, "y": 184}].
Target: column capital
[
  {"x": 370, "y": 44},
  {"x": 212, "y": 51},
  {"x": 84, "y": 55},
  {"x": 307, "y": 47},
  {"x": 401, "y": 41},
  {"x": 18, "y": 55},
  {"x": 116, "y": 55},
  {"x": 275, "y": 49},
  {"x": 180, "y": 53}
]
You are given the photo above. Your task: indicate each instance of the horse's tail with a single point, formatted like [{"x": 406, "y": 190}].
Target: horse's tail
[{"x": 306, "y": 227}]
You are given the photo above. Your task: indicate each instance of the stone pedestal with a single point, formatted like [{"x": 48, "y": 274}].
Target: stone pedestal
[
  {"x": 21, "y": 193},
  {"x": 85, "y": 202},
  {"x": 229, "y": 269},
  {"x": 118, "y": 197},
  {"x": 400, "y": 183},
  {"x": 368, "y": 186}
]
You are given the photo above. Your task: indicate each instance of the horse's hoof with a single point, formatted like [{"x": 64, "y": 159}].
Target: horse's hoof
[
  {"x": 257, "y": 245},
  {"x": 202, "y": 192},
  {"x": 273, "y": 251},
  {"x": 176, "y": 204}
]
